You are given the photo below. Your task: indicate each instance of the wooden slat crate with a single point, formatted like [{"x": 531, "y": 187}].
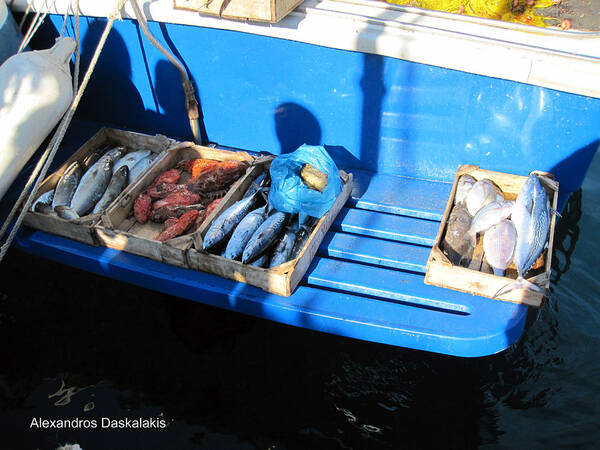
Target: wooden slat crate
[
  {"x": 119, "y": 230},
  {"x": 271, "y": 11},
  {"x": 81, "y": 229},
  {"x": 282, "y": 279},
  {"x": 441, "y": 272}
]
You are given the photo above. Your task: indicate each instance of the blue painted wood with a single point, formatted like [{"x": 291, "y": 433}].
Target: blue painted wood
[
  {"x": 405, "y": 196},
  {"x": 376, "y": 113},
  {"x": 377, "y": 252},
  {"x": 383, "y": 283},
  {"x": 489, "y": 327},
  {"x": 387, "y": 226}
]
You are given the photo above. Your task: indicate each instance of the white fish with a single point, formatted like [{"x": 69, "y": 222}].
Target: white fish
[
  {"x": 482, "y": 193},
  {"x": 488, "y": 216},
  {"x": 464, "y": 185},
  {"x": 130, "y": 159},
  {"x": 141, "y": 167},
  {"x": 531, "y": 217},
  {"x": 499, "y": 245}
]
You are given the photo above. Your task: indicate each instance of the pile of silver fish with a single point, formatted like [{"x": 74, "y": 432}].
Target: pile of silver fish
[
  {"x": 91, "y": 185},
  {"x": 256, "y": 234},
  {"x": 512, "y": 231}
]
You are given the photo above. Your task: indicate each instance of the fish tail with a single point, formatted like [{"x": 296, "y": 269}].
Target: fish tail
[
  {"x": 520, "y": 283},
  {"x": 498, "y": 272}
]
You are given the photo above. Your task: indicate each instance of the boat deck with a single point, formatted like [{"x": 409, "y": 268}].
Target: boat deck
[{"x": 366, "y": 281}]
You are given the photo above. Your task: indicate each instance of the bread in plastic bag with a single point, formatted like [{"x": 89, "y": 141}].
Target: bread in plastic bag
[{"x": 288, "y": 192}]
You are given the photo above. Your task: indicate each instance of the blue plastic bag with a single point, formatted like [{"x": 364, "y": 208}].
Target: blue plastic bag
[{"x": 289, "y": 194}]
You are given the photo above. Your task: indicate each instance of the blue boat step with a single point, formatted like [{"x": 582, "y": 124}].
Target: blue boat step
[
  {"x": 378, "y": 252},
  {"x": 405, "y": 196},
  {"x": 366, "y": 281},
  {"x": 386, "y": 226},
  {"x": 383, "y": 283}
]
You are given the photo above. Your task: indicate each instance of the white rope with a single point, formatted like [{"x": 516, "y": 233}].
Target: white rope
[
  {"x": 50, "y": 151},
  {"x": 29, "y": 3},
  {"x": 77, "y": 49},
  {"x": 64, "y": 25},
  {"x": 33, "y": 27}
]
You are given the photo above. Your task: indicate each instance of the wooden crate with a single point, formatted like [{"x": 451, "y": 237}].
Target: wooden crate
[
  {"x": 441, "y": 272},
  {"x": 283, "y": 279},
  {"x": 120, "y": 231},
  {"x": 82, "y": 229},
  {"x": 271, "y": 11}
]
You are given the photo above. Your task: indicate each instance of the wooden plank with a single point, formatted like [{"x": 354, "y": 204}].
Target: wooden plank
[
  {"x": 82, "y": 229},
  {"x": 441, "y": 272},
  {"x": 413, "y": 197},
  {"x": 116, "y": 230},
  {"x": 398, "y": 255},
  {"x": 280, "y": 280},
  {"x": 387, "y": 226},
  {"x": 271, "y": 11}
]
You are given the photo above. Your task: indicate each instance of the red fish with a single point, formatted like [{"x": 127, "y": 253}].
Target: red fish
[
  {"x": 171, "y": 176},
  {"x": 210, "y": 208},
  {"x": 182, "y": 198},
  {"x": 197, "y": 166},
  {"x": 225, "y": 173},
  {"x": 165, "y": 189},
  {"x": 141, "y": 207},
  {"x": 171, "y": 221},
  {"x": 165, "y": 213},
  {"x": 178, "y": 228}
]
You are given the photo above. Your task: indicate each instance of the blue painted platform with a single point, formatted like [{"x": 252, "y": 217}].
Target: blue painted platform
[{"x": 366, "y": 281}]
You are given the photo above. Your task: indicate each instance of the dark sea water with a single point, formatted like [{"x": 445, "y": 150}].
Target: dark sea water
[{"x": 74, "y": 345}]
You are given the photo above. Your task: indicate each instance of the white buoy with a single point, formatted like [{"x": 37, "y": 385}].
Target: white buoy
[{"x": 36, "y": 89}]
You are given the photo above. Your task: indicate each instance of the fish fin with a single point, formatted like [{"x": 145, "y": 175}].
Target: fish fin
[
  {"x": 555, "y": 212},
  {"x": 520, "y": 283},
  {"x": 530, "y": 206}
]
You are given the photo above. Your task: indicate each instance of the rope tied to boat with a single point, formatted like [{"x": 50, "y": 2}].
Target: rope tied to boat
[
  {"x": 191, "y": 103},
  {"x": 46, "y": 159}
]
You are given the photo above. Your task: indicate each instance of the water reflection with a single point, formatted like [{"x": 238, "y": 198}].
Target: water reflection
[{"x": 223, "y": 380}]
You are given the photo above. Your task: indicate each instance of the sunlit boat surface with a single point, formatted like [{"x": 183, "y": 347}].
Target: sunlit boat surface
[{"x": 399, "y": 96}]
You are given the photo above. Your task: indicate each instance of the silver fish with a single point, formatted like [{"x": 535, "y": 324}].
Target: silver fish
[
  {"x": 531, "y": 218},
  {"x": 114, "y": 154},
  {"x": 117, "y": 183},
  {"x": 140, "y": 167},
  {"x": 454, "y": 244},
  {"x": 92, "y": 186},
  {"x": 284, "y": 246},
  {"x": 65, "y": 212},
  {"x": 90, "y": 160},
  {"x": 256, "y": 184},
  {"x": 44, "y": 208},
  {"x": 45, "y": 198},
  {"x": 261, "y": 261},
  {"x": 66, "y": 185},
  {"x": 227, "y": 221},
  {"x": 264, "y": 237},
  {"x": 244, "y": 231},
  {"x": 499, "y": 245},
  {"x": 482, "y": 193},
  {"x": 487, "y": 217},
  {"x": 130, "y": 159},
  {"x": 464, "y": 185},
  {"x": 301, "y": 238}
]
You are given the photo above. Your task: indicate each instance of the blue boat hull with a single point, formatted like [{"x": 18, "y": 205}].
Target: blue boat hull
[
  {"x": 401, "y": 127},
  {"x": 377, "y": 113}
]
